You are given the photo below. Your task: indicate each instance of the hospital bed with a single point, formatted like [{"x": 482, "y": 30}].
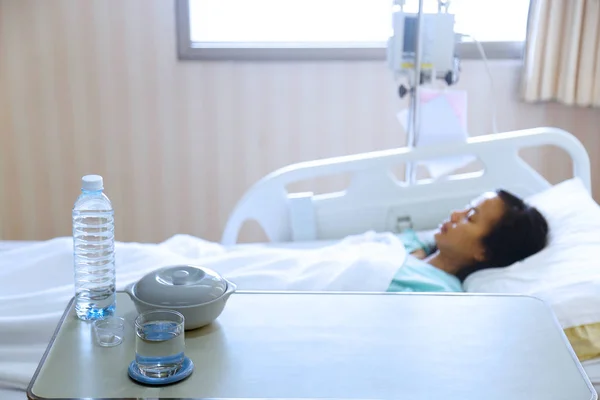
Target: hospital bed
[{"x": 375, "y": 200}]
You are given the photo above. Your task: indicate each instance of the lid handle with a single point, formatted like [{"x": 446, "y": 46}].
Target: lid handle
[{"x": 180, "y": 277}]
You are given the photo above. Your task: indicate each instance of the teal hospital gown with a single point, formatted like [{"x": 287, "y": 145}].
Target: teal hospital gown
[{"x": 417, "y": 276}]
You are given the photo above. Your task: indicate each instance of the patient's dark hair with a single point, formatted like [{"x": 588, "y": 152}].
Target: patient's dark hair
[{"x": 521, "y": 232}]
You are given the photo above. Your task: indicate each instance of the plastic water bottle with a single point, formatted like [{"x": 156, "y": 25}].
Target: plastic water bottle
[{"x": 94, "y": 251}]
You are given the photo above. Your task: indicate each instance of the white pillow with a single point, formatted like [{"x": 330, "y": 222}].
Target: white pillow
[{"x": 566, "y": 274}]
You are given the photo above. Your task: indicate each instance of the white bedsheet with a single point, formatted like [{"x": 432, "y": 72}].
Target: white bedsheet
[
  {"x": 38, "y": 277},
  {"x": 36, "y": 280},
  {"x": 12, "y": 394}
]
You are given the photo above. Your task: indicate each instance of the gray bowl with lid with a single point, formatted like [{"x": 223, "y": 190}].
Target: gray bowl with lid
[{"x": 199, "y": 293}]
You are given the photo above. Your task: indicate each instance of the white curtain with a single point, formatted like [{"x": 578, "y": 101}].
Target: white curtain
[{"x": 562, "y": 57}]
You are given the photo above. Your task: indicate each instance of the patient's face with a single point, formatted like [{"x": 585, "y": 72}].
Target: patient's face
[{"x": 460, "y": 237}]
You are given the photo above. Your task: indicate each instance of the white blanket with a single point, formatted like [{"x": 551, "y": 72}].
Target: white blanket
[{"x": 36, "y": 281}]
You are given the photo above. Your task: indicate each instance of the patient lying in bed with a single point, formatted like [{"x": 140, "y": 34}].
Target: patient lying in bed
[{"x": 496, "y": 230}]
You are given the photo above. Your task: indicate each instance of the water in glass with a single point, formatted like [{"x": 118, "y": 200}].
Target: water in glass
[{"x": 159, "y": 343}]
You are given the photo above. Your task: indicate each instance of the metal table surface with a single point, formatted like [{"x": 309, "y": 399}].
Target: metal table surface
[{"x": 338, "y": 345}]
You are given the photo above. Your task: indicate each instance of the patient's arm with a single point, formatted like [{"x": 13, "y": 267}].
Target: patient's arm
[
  {"x": 417, "y": 247},
  {"x": 419, "y": 253}
]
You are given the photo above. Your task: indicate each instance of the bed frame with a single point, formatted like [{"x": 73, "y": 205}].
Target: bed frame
[{"x": 376, "y": 200}]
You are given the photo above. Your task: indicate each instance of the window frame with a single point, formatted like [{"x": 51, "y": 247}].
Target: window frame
[{"x": 186, "y": 50}]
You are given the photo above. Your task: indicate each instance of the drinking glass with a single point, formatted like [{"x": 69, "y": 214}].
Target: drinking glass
[{"x": 159, "y": 343}]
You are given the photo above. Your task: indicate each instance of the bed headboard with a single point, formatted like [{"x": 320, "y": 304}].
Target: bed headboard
[{"x": 377, "y": 200}]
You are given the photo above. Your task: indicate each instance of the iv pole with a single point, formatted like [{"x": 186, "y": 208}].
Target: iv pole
[{"x": 414, "y": 115}]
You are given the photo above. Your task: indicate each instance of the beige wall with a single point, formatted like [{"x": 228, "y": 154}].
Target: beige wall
[{"x": 95, "y": 87}]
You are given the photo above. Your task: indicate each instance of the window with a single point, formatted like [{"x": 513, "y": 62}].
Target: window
[{"x": 334, "y": 29}]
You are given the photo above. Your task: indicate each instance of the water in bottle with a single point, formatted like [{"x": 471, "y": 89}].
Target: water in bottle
[{"x": 94, "y": 251}]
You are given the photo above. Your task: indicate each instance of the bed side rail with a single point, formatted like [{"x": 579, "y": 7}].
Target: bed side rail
[{"x": 376, "y": 200}]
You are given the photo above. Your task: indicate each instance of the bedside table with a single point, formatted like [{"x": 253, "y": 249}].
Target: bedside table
[{"x": 337, "y": 345}]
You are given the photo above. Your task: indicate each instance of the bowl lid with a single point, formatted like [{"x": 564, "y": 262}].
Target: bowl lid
[{"x": 180, "y": 286}]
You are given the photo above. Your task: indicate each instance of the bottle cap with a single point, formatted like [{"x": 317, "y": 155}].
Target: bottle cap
[{"x": 92, "y": 182}]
